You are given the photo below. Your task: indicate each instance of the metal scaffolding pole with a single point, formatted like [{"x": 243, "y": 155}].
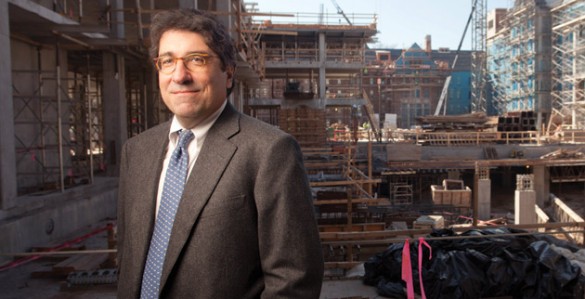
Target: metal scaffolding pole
[{"x": 59, "y": 122}]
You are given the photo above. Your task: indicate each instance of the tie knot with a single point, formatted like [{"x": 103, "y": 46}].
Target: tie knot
[{"x": 185, "y": 137}]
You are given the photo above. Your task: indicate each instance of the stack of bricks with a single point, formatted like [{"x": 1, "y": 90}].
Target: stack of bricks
[{"x": 307, "y": 125}]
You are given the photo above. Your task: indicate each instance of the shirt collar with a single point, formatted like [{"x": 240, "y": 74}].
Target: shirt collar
[{"x": 200, "y": 131}]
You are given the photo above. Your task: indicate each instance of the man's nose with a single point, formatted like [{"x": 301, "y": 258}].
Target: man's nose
[{"x": 181, "y": 73}]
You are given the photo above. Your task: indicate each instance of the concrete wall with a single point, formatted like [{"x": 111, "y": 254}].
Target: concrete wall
[
  {"x": 397, "y": 152},
  {"x": 57, "y": 217},
  {"x": 7, "y": 152}
]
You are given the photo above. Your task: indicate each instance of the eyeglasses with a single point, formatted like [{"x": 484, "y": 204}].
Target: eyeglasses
[{"x": 166, "y": 64}]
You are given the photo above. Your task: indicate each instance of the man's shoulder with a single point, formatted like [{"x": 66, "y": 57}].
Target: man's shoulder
[
  {"x": 156, "y": 131},
  {"x": 255, "y": 126}
]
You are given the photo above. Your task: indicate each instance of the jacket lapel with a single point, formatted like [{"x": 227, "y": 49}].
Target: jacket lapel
[{"x": 215, "y": 155}]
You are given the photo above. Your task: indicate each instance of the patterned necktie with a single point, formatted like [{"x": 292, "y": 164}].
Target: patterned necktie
[{"x": 171, "y": 196}]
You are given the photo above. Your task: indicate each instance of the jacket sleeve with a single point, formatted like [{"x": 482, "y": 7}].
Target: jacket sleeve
[{"x": 290, "y": 249}]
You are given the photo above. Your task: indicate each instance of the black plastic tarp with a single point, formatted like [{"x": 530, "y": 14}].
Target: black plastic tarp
[{"x": 521, "y": 266}]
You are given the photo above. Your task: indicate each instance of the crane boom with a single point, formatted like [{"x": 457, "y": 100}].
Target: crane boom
[{"x": 340, "y": 11}]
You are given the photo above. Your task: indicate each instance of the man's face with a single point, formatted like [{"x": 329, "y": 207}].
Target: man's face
[{"x": 192, "y": 94}]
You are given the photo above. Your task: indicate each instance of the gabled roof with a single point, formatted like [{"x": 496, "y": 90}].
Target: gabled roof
[
  {"x": 415, "y": 55},
  {"x": 463, "y": 62}
]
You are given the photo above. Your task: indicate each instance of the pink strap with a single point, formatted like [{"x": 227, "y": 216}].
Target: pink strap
[
  {"x": 407, "y": 270},
  {"x": 421, "y": 241}
]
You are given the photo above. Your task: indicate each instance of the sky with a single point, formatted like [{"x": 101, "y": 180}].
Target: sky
[{"x": 400, "y": 22}]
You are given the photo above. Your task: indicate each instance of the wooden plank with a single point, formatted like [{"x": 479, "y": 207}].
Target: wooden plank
[
  {"x": 376, "y": 226},
  {"x": 344, "y": 201},
  {"x": 80, "y": 263},
  {"x": 344, "y": 183},
  {"x": 341, "y": 265},
  {"x": 329, "y": 164},
  {"x": 388, "y": 237}
]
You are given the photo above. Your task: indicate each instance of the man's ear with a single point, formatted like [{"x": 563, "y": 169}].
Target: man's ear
[{"x": 231, "y": 79}]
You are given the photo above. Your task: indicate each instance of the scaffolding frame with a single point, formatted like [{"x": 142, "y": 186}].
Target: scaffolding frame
[
  {"x": 60, "y": 135},
  {"x": 520, "y": 61},
  {"x": 568, "y": 96},
  {"x": 478, "y": 58},
  {"x": 499, "y": 72}
]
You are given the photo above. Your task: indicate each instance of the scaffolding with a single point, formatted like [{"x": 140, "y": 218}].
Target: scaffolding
[
  {"x": 59, "y": 128},
  {"x": 312, "y": 85},
  {"x": 498, "y": 63},
  {"x": 568, "y": 96},
  {"x": 62, "y": 72},
  {"x": 520, "y": 61},
  {"x": 478, "y": 61},
  {"x": 299, "y": 54}
]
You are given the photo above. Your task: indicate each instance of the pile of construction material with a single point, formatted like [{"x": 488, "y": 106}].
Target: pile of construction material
[
  {"x": 484, "y": 263},
  {"x": 306, "y": 124},
  {"x": 451, "y": 192},
  {"x": 517, "y": 121},
  {"x": 564, "y": 154},
  {"x": 471, "y": 121}
]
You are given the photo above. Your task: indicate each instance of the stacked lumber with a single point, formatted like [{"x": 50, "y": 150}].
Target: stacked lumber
[
  {"x": 476, "y": 117},
  {"x": 564, "y": 154},
  {"x": 306, "y": 124},
  {"x": 474, "y": 121},
  {"x": 74, "y": 263}
]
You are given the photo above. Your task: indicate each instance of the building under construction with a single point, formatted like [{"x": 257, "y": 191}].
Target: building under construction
[
  {"x": 404, "y": 84},
  {"x": 397, "y": 142}
]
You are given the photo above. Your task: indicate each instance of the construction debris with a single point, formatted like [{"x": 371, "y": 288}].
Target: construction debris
[{"x": 564, "y": 154}]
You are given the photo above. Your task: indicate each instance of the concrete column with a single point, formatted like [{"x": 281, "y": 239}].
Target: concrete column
[
  {"x": 524, "y": 200},
  {"x": 8, "y": 188},
  {"x": 541, "y": 184},
  {"x": 322, "y": 62},
  {"x": 484, "y": 199},
  {"x": 118, "y": 27},
  {"x": 227, "y": 18},
  {"x": 524, "y": 211},
  {"x": 115, "y": 122}
]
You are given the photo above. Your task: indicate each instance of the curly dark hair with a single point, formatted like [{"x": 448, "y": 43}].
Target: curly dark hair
[{"x": 214, "y": 33}]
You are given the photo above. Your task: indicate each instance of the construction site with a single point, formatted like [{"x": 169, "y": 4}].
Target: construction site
[{"x": 466, "y": 167}]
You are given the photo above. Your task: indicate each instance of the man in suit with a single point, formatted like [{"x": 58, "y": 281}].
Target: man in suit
[{"x": 244, "y": 225}]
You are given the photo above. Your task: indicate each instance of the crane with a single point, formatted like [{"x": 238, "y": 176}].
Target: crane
[
  {"x": 340, "y": 11},
  {"x": 442, "y": 98}
]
